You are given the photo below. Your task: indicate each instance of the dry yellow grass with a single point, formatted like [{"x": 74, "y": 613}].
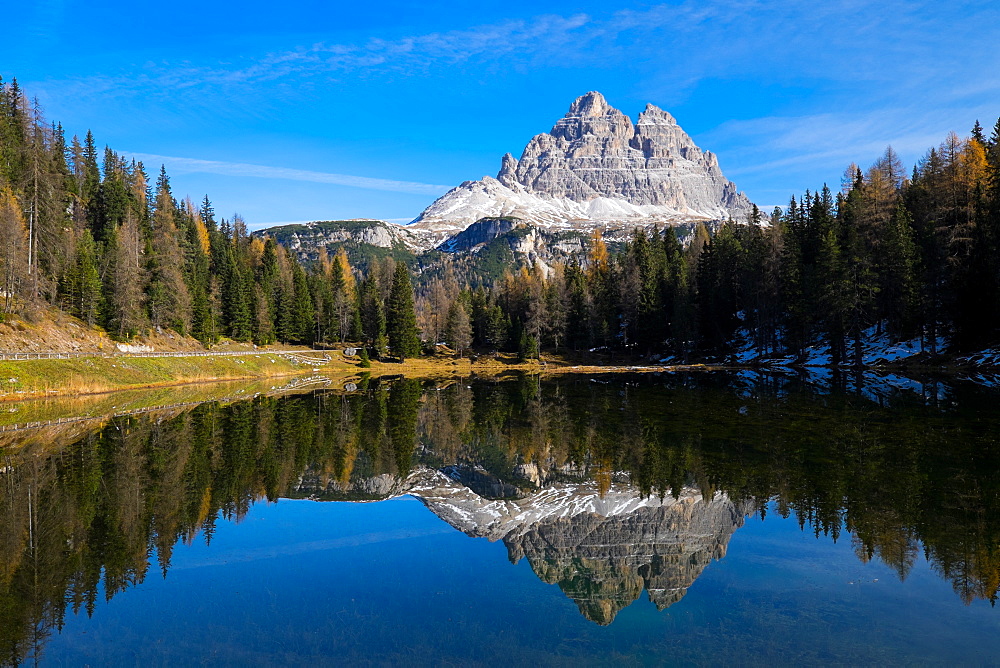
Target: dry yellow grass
[
  {"x": 80, "y": 376},
  {"x": 31, "y": 379},
  {"x": 495, "y": 365}
]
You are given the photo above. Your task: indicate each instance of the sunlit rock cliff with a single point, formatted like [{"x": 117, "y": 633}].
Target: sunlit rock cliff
[{"x": 595, "y": 167}]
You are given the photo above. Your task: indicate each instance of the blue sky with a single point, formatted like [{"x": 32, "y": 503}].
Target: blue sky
[{"x": 323, "y": 110}]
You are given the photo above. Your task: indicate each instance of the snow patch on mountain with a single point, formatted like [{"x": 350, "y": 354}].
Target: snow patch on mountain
[
  {"x": 488, "y": 198},
  {"x": 596, "y": 168},
  {"x": 467, "y": 511}
]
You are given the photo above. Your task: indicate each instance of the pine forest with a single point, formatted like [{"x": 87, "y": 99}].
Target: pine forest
[{"x": 904, "y": 253}]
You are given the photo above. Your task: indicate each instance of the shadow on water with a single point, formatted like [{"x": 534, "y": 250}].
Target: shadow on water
[{"x": 609, "y": 486}]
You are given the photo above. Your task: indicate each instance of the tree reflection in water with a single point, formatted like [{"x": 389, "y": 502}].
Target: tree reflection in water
[{"x": 609, "y": 486}]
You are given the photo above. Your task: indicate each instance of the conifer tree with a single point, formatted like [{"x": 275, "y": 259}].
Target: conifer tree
[
  {"x": 91, "y": 172},
  {"x": 459, "y": 327},
  {"x": 401, "y": 319},
  {"x": 835, "y": 292},
  {"x": 600, "y": 290},
  {"x": 169, "y": 297},
  {"x": 527, "y": 347},
  {"x": 556, "y": 307},
  {"x": 87, "y": 292},
  {"x": 718, "y": 288},
  {"x": 578, "y": 322},
  {"x": 321, "y": 284},
  {"x": 128, "y": 280},
  {"x": 861, "y": 279},
  {"x": 771, "y": 308},
  {"x": 207, "y": 212},
  {"x": 373, "y": 326},
  {"x": 497, "y": 328},
  {"x": 345, "y": 298},
  {"x": 535, "y": 314},
  {"x": 263, "y": 321},
  {"x": 303, "y": 313},
  {"x": 267, "y": 292},
  {"x": 285, "y": 322},
  {"x": 897, "y": 290}
]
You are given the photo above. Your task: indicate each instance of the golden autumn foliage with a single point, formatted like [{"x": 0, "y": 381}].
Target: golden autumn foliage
[
  {"x": 343, "y": 267},
  {"x": 598, "y": 252},
  {"x": 256, "y": 251},
  {"x": 201, "y": 232}
]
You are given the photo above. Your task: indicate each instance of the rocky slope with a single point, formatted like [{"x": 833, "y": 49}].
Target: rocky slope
[
  {"x": 596, "y": 168},
  {"x": 306, "y": 239},
  {"x": 485, "y": 249}
]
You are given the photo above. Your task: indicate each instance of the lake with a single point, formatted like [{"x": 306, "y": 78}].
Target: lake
[{"x": 647, "y": 519}]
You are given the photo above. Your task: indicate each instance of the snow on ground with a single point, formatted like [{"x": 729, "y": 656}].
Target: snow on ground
[
  {"x": 899, "y": 382},
  {"x": 881, "y": 388},
  {"x": 984, "y": 378},
  {"x": 877, "y": 348},
  {"x": 988, "y": 357}
]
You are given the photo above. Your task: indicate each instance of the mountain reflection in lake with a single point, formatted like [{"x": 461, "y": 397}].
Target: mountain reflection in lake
[{"x": 610, "y": 487}]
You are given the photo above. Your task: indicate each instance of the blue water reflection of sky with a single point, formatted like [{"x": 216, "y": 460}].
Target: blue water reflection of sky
[{"x": 301, "y": 582}]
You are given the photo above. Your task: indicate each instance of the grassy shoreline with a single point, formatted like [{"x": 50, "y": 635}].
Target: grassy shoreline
[
  {"x": 55, "y": 398},
  {"x": 42, "y": 378},
  {"x": 77, "y": 377},
  {"x": 31, "y": 379},
  {"x": 96, "y": 390}
]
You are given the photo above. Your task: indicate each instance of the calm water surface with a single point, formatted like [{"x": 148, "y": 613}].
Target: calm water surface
[{"x": 673, "y": 519}]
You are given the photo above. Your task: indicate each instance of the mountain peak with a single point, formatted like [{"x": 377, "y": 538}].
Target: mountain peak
[
  {"x": 589, "y": 104},
  {"x": 655, "y": 114},
  {"x": 596, "y": 168},
  {"x": 508, "y": 170},
  {"x": 590, "y": 114}
]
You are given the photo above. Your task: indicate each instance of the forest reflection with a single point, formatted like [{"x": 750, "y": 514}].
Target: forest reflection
[{"x": 85, "y": 512}]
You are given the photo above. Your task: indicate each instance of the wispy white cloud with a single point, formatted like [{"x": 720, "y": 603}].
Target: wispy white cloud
[
  {"x": 197, "y": 165},
  {"x": 826, "y": 143},
  {"x": 829, "y": 83},
  {"x": 904, "y": 45},
  {"x": 47, "y": 22},
  {"x": 532, "y": 39}
]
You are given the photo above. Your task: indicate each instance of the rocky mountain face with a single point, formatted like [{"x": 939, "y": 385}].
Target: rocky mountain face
[
  {"x": 512, "y": 243},
  {"x": 485, "y": 248},
  {"x": 306, "y": 239},
  {"x": 364, "y": 241},
  {"x": 605, "y": 563},
  {"x": 596, "y": 168},
  {"x": 603, "y": 546},
  {"x": 480, "y": 232}
]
